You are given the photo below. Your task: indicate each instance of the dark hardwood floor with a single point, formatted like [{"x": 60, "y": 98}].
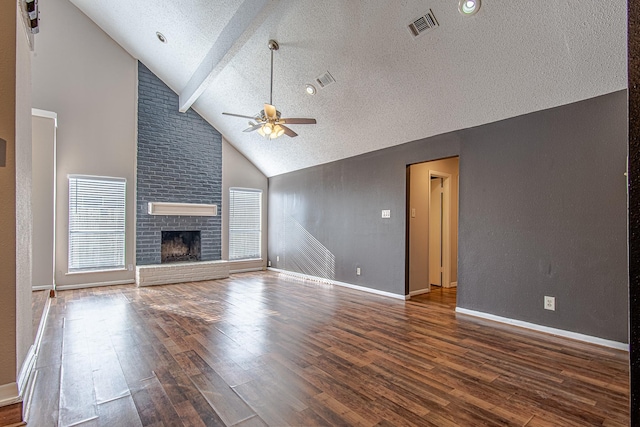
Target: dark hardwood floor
[{"x": 266, "y": 349}]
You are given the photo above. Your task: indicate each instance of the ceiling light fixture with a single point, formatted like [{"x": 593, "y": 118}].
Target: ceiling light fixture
[
  {"x": 161, "y": 37},
  {"x": 469, "y": 7},
  {"x": 311, "y": 89}
]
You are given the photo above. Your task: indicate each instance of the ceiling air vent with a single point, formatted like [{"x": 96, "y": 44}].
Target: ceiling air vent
[
  {"x": 424, "y": 23},
  {"x": 325, "y": 79}
]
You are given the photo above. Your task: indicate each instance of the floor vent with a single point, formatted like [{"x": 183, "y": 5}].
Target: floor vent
[
  {"x": 424, "y": 23},
  {"x": 325, "y": 80}
]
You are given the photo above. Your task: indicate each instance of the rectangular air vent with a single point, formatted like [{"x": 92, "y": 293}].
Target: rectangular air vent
[
  {"x": 424, "y": 23},
  {"x": 325, "y": 79}
]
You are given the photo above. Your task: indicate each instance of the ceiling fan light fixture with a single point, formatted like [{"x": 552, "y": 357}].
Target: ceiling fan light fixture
[
  {"x": 268, "y": 122},
  {"x": 278, "y": 131},
  {"x": 469, "y": 7}
]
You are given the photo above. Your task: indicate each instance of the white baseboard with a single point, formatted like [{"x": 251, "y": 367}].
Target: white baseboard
[
  {"x": 419, "y": 292},
  {"x": 453, "y": 285},
  {"x": 343, "y": 284},
  {"x": 25, "y": 371},
  {"x": 9, "y": 394},
  {"x": 41, "y": 287},
  {"x": 246, "y": 270},
  {"x": 553, "y": 331},
  {"x": 95, "y": 285}
]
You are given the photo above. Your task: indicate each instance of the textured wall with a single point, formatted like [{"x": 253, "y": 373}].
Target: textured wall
[
  {"x": 179, "y": 160},
  {"x": 8, "y": 193},
  {"x": 24, "y": 322},
  {"x": 542, "y": 212}
]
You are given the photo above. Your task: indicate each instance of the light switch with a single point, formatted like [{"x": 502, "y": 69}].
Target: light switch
[
  {"x": 386, "y": 213},
  {"x": 413, "y": 212}
]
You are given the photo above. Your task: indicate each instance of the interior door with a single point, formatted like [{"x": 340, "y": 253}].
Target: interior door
[{"x": 435, "y": 231}]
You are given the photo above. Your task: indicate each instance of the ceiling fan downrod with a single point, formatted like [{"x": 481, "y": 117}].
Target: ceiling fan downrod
[{"x": 273, "y": 45}]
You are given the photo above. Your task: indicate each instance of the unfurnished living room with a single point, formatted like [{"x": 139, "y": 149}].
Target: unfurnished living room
[{"x": 309, "y": 213}]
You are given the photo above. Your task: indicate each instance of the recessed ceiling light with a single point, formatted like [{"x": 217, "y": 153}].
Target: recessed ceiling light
[
  {"x": 161, "y": 37},
  {"x": 469, "y": 7},
  {"x": 311, "y": 89}
]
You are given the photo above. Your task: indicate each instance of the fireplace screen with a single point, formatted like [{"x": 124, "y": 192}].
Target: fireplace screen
[{"x": 180, "y": 246}]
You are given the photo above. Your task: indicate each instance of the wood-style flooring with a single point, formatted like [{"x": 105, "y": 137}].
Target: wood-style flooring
[{"x": 266, "y": 349}]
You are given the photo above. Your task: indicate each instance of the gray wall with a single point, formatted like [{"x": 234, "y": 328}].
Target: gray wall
[
  {"x": 542, "y": 212},
  {"x": 179, "y": 160}
]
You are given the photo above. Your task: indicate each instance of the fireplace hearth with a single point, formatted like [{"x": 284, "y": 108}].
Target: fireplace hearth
[{"x": 180, "y": 246}]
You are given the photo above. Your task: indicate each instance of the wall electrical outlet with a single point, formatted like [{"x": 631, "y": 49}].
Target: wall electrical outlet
[
  {"x": 277, "y": 258},
  {"x": 269, "y": 263},
  {"x": 550, "y": 303},
  {"x": 386, "y": 213},
  {"x": 130, "y": 267},
  {"x": 358, "y": 271}
]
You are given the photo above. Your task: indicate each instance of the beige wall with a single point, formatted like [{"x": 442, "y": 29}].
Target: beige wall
[
  {"x": 42, "y": 198},
  {"x": 237, "y": 171},
  {"x": 24, "y": 328},
  {"x": 419, "y": 226},
  {"x": 15, "y": 210},
  {"x": 81, "y": 74},
  {"x": 8, "y": 192}
]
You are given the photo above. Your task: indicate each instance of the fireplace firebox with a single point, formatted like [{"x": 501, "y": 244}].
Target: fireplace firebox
[{"x": 180, "y": 246}]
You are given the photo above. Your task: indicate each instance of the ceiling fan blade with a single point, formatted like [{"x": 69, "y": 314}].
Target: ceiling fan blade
[
  {"x": 288, "y": 131},
  {"x": 270, "y": 111},
  {"x": 240, "y": 115},
  {"x": 253, "y": 127},
  {"x": 298, "y": 121}
]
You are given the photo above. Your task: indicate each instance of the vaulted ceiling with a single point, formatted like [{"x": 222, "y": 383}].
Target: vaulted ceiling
[{"x": 511, "y": 58}]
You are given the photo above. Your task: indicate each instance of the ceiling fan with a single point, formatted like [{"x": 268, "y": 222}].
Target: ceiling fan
[{"x": 268, "y": 122}]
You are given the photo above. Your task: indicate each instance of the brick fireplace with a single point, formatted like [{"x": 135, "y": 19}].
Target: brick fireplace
[{"x": 179, "y": 161}]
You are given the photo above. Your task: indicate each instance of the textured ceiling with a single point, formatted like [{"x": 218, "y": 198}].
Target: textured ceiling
[{"x": 511, "y": 58}]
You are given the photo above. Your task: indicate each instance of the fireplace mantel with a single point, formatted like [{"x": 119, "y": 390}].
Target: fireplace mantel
[{"x": 185, "y": 209}]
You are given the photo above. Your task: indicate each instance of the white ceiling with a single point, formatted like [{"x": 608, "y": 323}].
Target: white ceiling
[{"x": 511, "y": 58}]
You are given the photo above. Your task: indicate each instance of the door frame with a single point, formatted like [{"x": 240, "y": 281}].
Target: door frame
[{"x": 446, "y": 227}]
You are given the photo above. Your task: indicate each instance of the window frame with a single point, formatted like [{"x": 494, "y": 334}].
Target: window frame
[
  {"x": 119, "y": 203},
  {"x": 231, "y": 231}
]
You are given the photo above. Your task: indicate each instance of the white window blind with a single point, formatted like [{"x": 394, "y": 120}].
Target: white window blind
[
  {"x": 96, "y": 223},
  {"x": 245, "y": 219}
]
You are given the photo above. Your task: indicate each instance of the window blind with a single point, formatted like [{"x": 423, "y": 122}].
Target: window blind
[
  {"x": 96, "y": 223},
  {"x": 245, "y": 221}
]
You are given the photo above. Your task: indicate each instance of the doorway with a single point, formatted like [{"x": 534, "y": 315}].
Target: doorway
[{"x": 432, "y": 226}]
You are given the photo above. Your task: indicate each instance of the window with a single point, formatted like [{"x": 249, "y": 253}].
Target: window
[
  {"x": 245, "y": 214},
  {"x": 96, "y": 223}
]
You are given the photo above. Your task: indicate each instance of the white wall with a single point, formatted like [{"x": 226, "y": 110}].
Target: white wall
[
  {"x": 91, "y": 83},
  {"x": 42, "y": 197},
  {"x": 237, "y": 171}
]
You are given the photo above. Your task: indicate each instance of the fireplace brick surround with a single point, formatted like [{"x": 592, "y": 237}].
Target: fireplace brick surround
[
  {"x": 179, "y": 160},
  {"x": 164, "y": 274}
]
